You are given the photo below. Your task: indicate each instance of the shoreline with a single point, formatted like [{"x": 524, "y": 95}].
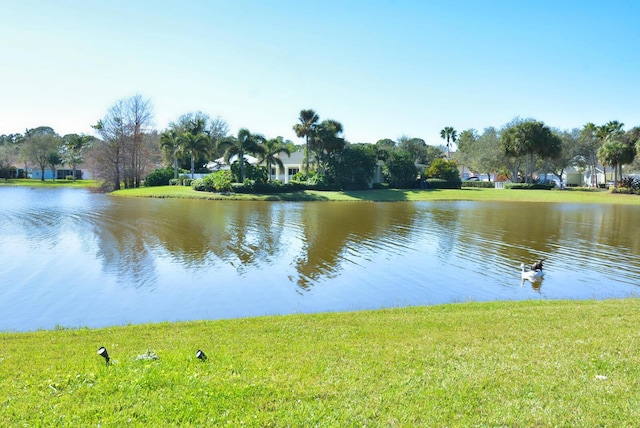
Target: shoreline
[
  {"x": 578, "y": 195},
  {"x": 568, "y": 195}
]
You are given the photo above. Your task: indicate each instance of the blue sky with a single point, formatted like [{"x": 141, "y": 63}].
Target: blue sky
[{"x": 383, "y": 68}]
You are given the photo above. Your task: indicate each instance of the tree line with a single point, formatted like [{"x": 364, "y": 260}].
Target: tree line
[
  {"x": 127, "y": 148},
  {"x": 524, "y": 146}
]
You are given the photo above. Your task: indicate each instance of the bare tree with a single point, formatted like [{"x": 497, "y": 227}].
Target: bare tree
[{"x": 123, "y": 154}]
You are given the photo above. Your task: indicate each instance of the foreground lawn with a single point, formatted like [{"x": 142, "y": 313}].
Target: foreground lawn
[
  {"x": 534, "y": 363},
  {"x": 393, "y": 195}
]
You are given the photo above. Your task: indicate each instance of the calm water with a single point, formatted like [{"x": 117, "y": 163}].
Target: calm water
[{"x": 71, "y": 258}]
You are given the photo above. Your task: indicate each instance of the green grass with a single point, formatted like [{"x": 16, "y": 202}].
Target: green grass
[
  {"x": 532, "y": 363},
  {"x": 578, "y": 195},
  {"x": 49, "y": 183}
]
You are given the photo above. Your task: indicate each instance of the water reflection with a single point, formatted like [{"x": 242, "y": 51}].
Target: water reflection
[{"x": 156, "y": 260}]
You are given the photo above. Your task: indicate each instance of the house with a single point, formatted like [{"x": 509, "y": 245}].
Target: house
[{"x": 293, "y": 164}]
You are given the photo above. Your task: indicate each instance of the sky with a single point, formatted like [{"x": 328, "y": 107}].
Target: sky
[{"x": 383, "y": 68}]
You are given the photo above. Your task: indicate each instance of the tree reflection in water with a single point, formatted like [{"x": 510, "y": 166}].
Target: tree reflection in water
[{"x": 156, "y": 260}]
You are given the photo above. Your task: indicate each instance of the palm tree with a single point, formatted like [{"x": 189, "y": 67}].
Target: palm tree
[
  {"x": 170, "y": 142},
  {"x": 193, "y": 144},
  {"x": 272, "y": 148},
  {"x": 244, "y": 143},
  {"x": 615, "y": 153},
  {"x": 306, "y": 128},
  {"x": 527, "y": 139},
  {"x": 326, "y": 140},
  {"x": 611, "y": 130},
  {"x": 449, "y": 134},
  {"x": 74, "y": 146}
]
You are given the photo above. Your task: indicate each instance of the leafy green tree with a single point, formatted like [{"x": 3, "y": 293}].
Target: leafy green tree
[
  {"x": 431, "y": 153},
  {"x": 272, "y": 149},
  {"x": 200, "y": 123},
  {"x": 489, "y": 156},
  {"x": 570, "y": 153},
  {"x": 5, "y": 161},
  {"x": 354, "y": 167},
  {"x": 305, "y": 129},
  {"x": 9, "y": 153},
  {"x": 466, "y": 143},
  {"x": 525, "y": 140},
  {"x": 443, "y": 169},
  {"x": 415, "y": 146},
  {"x": 244, "y": 143},
  {"x": 450, "y": 135},
  {"x": 74, "y": 147},
  {"x": 383, "y": 147},
  {"x": 632, "y": 138},
  {"x": 589, "y": 145},
  {"x": 39, "y": 145},
  {"x": 400, "y": 170}
]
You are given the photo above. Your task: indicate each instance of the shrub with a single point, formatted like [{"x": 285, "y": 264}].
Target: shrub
[
  {"x": 479, "y": 184},
  {"x": 69, "y": 177},
  {"x": 528, "y": 186},
  {"x": 629, "y": 185},
  {"x": 272, "y": 188},
  {"x": 219, "y": 181},
  {"x": 174, "y": 182},
  {"x": 439, "y": 183},
  {"x": 159, "y": 177},
  {"x": 300, "y": 177},
  {"x": 222, "y": 180},
  {"x": 198, "y": 185}
]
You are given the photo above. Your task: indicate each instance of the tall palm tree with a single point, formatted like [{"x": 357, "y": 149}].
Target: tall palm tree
[
  {"x": 611, "y": 130},
  {"x": 244, "y": 143},
  {"x": 170, "y": 143},
  {"x": 306, "y": 128},
  {"x": 272, "y": 148},
  {"x": 449, "y": 134},
  {"x": 193, "y": 144}
]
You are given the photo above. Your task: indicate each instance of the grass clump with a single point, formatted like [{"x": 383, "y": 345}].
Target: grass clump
[{"x": 535, "y": 363}]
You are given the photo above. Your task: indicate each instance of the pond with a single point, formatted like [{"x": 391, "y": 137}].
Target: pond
[{"x": 71, "y": 258}]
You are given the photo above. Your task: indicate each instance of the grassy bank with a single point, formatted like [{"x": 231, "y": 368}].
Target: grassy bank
[
  {"x": 577, "y": 195},
  {"x": 534, "y": 363},
  {"x": 393, "y": 195},
  {"x": 50, "y": 183}
]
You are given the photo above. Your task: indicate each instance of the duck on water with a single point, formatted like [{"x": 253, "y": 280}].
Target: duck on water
[{"x": 533, "y": 272}]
